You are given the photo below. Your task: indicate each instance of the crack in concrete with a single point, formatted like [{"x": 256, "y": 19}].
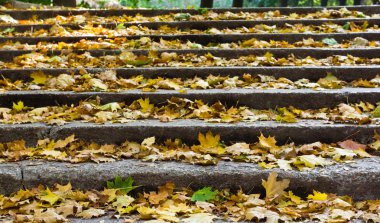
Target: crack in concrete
[{"x": 22, "y": 176}]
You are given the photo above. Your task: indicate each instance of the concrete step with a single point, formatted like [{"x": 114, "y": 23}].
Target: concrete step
[
  {"x": 359, "y": 179},
  {"x": 49, "y": 13},
  {"x": 313, "y": 73},
  {"x": 204, "y": 38},
  {"x": 253, "y": 98},
  {"x": 203, "y": 25},
  {"x": 8, "y": 55},
  {"x": 304, "y": 131}
]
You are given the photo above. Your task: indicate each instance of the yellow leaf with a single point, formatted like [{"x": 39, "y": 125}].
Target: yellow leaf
[
  {"x": 49, "y": 197},
  {"x": 63, "y": 143},
  {"x": 19, "y": 106},
  {"x": 294, "y": 198},
  {"x": 274, "y": 188},
  {"x": 39, "y": 77},
  {"x": 311, "y": 161},
  {"x": 209, "y": 140},
  {"x": 210, "y": 143},
  {"x": 317, "y": 196},
  {"x": 267, "y": 143},
  {"x": 145, "y": 105},
  {"x": 122, "y": 204}
]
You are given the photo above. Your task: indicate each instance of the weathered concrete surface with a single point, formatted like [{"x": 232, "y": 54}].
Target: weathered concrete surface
[
  {"x": 360, "y": 179},
  {"x": 8, "y": 55},
  {"x": 10, "y": 178},
  {"x": 346, "y": 73},
  {"x": 253, "y": 98},
  {"x": 304, "y": 131},
  {"x": 205, "y": 24},
  {"x": 30, "y": 132},
  {"x": 44, "y": 13},
  {"x": 206, "y": 38}
]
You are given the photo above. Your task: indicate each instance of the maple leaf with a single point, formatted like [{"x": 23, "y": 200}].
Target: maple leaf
[
  {"x": 274, "y": 189},
  {"x": 352, "y": 145},
  {"x": 114, "y": 106},
  {"x": 91, "y": 212},
  {"x": 122, "y": 204},
  {"x": 317, "y": 196},
  {"x": 376, "y": 112},
  {"x": 261, "y": 213},
  {"x": 284, "y": 164},
  {"x": 204, "y": 194},
  {"x": 145, "y": 105},
  {"x": 267, "y": 142},
  {"x": 200, "y": 217},
  {"x": 63, "y": 143},
  {"x": 19, "y": 106},
  {"x": 48, "y": 216},
  {"x": 342, "y": 154},
  {"x": 49, "y": 197},
  {"x": 39, "y": 77},
  {"x": 310, "y": 161},
  {"x": 294, "y": 198},
  {"x": 330, "y": 41},
  {"x": 125, "y": 186},
  {"x": 210, "y": 143}
]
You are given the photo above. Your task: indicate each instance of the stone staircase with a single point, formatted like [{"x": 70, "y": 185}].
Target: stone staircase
[{"x": 359, "y": 179}]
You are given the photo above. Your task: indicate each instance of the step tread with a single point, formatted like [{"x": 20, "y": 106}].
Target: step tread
[
  {"x": 304, "y": 131},
  {"x": 253, "y": 98}
]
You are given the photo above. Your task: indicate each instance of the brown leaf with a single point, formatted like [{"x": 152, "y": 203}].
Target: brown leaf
[{"x": 352, "y": 145}]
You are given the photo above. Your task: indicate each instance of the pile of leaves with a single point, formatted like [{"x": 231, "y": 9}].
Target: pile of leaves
[
  {"x": 136, "y": 30},
  {"x": 110, "y": 82},
  {"x": 172, "y": 17},
  {"x": 153, "y": 59},
  {"x": 124, "y": 43},
  {"x": 169, "y": 204},
  {"x": 210, "y": 150},
  {"x": 181, "y": 108}
]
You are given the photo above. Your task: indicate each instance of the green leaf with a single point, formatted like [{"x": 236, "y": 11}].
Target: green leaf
[
  {"x": 330, "y": 41},
  {"x": 113, "y": 106},
  {"x": 203, "y": 11},
  {"x": 346, "y": 26},
  {"x": 205, "y": 194},
  {"x": 9, "y": 30},
  {"x": 360, "y": 15},
  {"x": 376, "y": 112},
  {"x": 125, "y": 186},
  {"x": 120, "y": 26},
  {"x": 182, "y": 16}
]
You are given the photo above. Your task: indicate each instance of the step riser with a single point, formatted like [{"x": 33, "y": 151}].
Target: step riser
[
  {"x": 360, "y": 180},
  {"x": 205, "y": 39},
  {"x": 8, "y": 55},
  {"x": 258, "y": 99},
  {"x": 203, "y": 25},
  {"x": 27, "y": 14},
  {"x": 187, "y": 130},
  {"x": 346, "y": 73}
]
